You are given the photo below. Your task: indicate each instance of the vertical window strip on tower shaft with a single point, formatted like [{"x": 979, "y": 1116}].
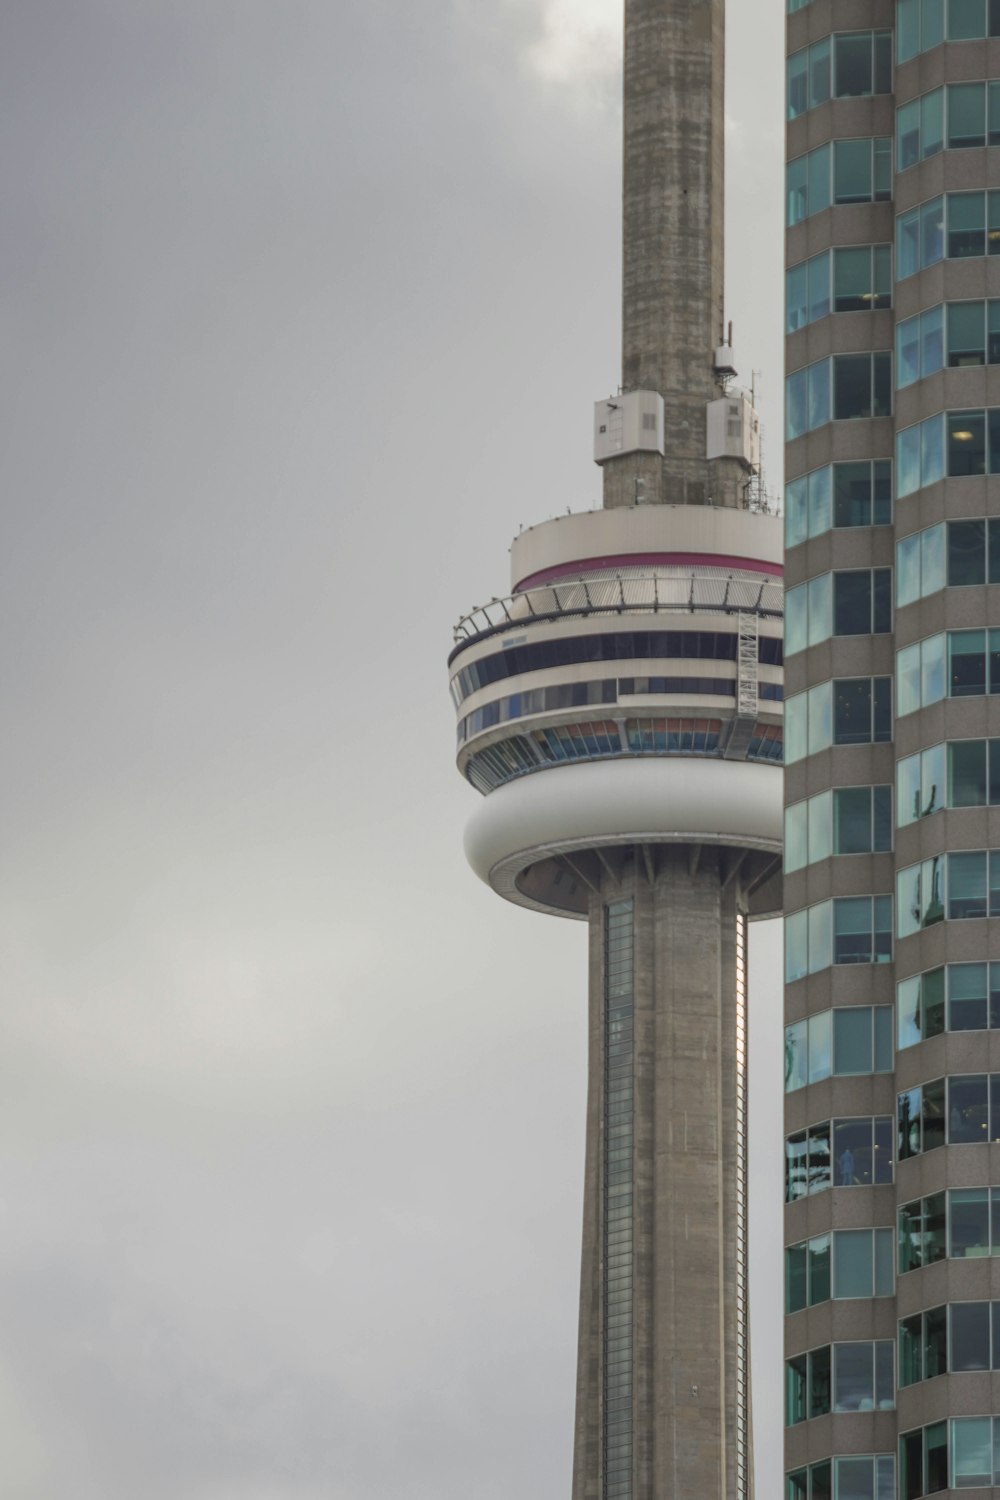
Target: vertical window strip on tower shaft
[
  {"x": 742, "y": 1223},
  {"x": 619, "y": 1054}
]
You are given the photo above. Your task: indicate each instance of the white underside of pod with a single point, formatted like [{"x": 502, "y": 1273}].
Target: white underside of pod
[{"x": 601, "y": 803}]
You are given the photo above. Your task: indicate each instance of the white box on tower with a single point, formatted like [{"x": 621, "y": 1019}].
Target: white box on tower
[
  {"x": 632, "y": 423},
  {"x": 733, "y": 430}
]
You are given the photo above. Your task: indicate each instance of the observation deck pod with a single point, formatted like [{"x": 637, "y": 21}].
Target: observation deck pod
[
  {"x": 550, "y": 842},
  {"x": 638, "y": 665}
]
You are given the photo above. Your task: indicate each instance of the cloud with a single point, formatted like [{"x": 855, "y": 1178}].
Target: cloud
[{"x": 580, "y": 40}]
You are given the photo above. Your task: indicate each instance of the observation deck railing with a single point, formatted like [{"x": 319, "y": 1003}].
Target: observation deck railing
[{"x": 620, "y": 593}]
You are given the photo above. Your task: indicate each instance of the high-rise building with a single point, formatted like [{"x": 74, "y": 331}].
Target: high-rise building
[
  {"x": 621, "y": 711},
  {"x": 892, "y": 827}
]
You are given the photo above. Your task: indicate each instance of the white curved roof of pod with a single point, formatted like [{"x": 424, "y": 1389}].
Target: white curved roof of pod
[{"x": 739, "y": 538}]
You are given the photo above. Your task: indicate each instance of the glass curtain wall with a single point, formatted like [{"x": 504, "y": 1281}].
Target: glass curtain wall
[{"x": 892, "y": 875}]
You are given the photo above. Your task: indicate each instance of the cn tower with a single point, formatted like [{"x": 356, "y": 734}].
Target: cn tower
[{"x": 620, "y": 711}]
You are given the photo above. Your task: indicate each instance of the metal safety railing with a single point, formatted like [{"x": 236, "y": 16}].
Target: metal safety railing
[{"x": 620, "y": 593}]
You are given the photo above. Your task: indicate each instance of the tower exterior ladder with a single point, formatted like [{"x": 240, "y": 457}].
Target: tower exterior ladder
[{"x": 747, "y": 667}]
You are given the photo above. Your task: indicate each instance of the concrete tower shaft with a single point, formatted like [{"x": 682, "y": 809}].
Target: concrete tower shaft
[
  {"x": 674, "y": 181},
  {"x": 662, "y": 1373},
  {"x": 621, "y": 711},
  {"x": 673, "y": 253}
]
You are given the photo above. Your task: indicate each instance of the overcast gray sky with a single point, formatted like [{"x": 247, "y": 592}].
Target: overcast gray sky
[{"x": 304, "y": 306}]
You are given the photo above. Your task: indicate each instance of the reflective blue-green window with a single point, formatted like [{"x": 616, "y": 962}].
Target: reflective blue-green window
[
  {"x": 862, "y": 170},
  {"x": 851, "y": 1152},
  {"x": 960, "y": 1110},
  {"x": 972, "y": 1453},
  {"x": 923, "y": 1346},
  {"x": 850, "y": 278},
  {"x": 923, "y": 1461},
  {"x": 920, "y": 239},
  {"x": 862, "y": 930},
  {"x": 908, "y": 134},
  {"x": 807, "y": 399},
  {"x": 862, "y": 278},
  {"x": 808, "y": 506},
  {"x": 809, "y": 77},
  {"x": 808, "y": 184},
  {"x": 849, "y": 65},
  {"x": 796, "y": 836},
  {"x": 807, "y": 1273},
  {"x": 797, "y": 404},
  {"x": 841, "y": 389},
  {"x": 931, "y": 123},
  {"x": 959, "y": 443},
  {"x": 958, "y": 226},
  {"x": 796, "y": 946},
  {"x": 854, "y": 171},
  {"x": 796, "y": 727},
  {"x": 974, "y": 773},
  {"x": 967, "y": 225},
  {"x": 862, "y": 1263},
  {"x": 845, "y": 711},
  {"x": 862, "y": 819},
  {"x": 921, "y": 564},
  {"x": 970, "y": 1341},
  {"x": 920, "y": 1007},
  {"x": 973, "y": 1223},
  {"x": 920, "y": 896},
  {"x": 919, "y": 26},
  {"x": 847, "y": 819},
  {"x": 862, "y": 64},
  {"x": 841, "y": 1043},
  {"x": 973, "y": 552},
  {"x": 959, "y": 116},
  {"x": 797, "y": 293},
  {"x": 908, "y": 244},
  {"x": 921, "y": 787},
  {"x": 907, "y": 29},
  {"x": 839, "y": 495},
  {"x": 920, "y": 675},
  {"x": 808, "y": 1051},
  {"x": 932, "y": 30},
  {"x": 820, "y": 717},
  {"x": 921, "y": 1119},
  {"x": 847, "y": 930},
  {"x": 807, "y": 1386},
  {"x": 862, "y": 493},
  {"x": 819, "y": 179},
  {"x": 862, "y": 1040},
  {"x": 856, "y": 601},
  {"x": 862, "y": 386},
  {"x": 920, "y": 129},
  {"x": 973, "y": 663},
  {"x": 966, "y": 115},
  {"x": 973, "y": 333},
  {"x": 864, "y": 1376},
  {"x": 922, "y": 1233},
  {"x": 919, "y": 346}
]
